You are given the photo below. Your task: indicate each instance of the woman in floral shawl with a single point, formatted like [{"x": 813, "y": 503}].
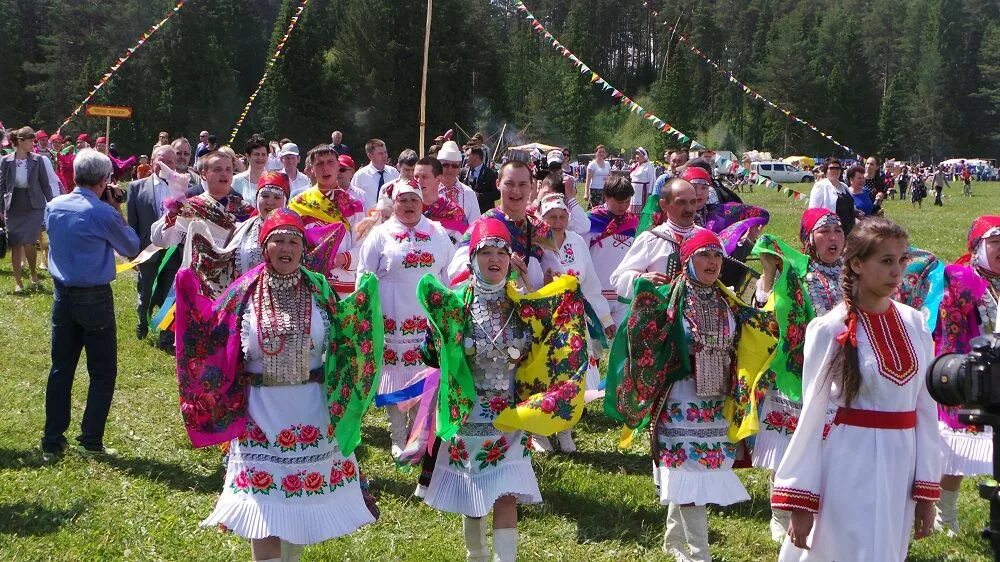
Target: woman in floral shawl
[
  {"x": 283, "y": 372},
  {"x": 798, "y": 287},
  {"x": 674, "y": 365},
  {"x": 968, "y": 309},
  {"x": 510, "y": 365}
]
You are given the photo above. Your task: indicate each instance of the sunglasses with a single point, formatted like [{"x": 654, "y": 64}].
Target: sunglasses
[
  {"x": 343, "y": 169},
  {"x": 455, "y": 165}
]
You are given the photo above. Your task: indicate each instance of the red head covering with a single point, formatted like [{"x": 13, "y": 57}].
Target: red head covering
[
  {"x": 102, "y": 139},
  {"x": 275, "y": 179},
  {"x": 346, "y": 160},
  {"x": 696, "y": 173},
  {"x": 41, "y": 135},
  {"x": 485, "y": 230},
  {"x": 701, "y": 239},
  {"x": 83, "y": 137},
  {"x": 980, "y": 227},
  {"x": 811, "y": 218},
  {"x": 284, "y": 219},
  {"x": 56, "y": 138}
]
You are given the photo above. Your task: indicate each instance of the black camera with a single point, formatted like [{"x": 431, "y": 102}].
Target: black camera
[{"x": 970, "y": 380}]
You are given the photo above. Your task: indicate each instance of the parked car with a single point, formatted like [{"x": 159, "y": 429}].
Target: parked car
[{"x": 776, "y": 170}]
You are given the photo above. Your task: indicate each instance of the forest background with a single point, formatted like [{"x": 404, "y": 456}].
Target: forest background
[{"x": 910, "y": 79}]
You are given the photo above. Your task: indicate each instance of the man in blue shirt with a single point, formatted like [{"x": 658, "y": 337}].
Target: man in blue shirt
[{"x": 85, "y": 230}]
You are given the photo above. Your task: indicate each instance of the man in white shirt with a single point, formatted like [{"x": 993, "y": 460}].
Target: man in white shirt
[
  {"x": 377, "y": 173},
  {"x": 459, "y": 193},
  {"x": 289, "y": 156},
  {"x": 654, "y": 254}
]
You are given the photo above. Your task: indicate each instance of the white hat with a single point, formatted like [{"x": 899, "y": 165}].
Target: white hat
[
  {"x": 289, "y": 148},
  {"x": 449, "y": 152},
  {"x": 402, "y": 187},
  {"x": 642, "y": 151},
  {"x": 554, "y": 156},
  {"x": 553, "y": 201}
]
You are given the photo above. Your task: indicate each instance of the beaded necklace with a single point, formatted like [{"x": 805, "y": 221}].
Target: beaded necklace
[
  {"x": 711, "y": 337},
  {"x": 823, "y": 284},
  {"x": 283, "y": 305}
]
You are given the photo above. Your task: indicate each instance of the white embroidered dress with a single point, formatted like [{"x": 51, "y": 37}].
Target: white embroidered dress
[
  {"x": 862, "y": 482},
  {"x": 399, "y": 257},
  {"x": 286, "y": 476}
]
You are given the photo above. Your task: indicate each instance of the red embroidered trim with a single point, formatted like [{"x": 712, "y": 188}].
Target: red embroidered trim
[
  {"x": 791, "y": 499},
  {"x": 923, "y": 490},
  {"x": 894, "y": 353}
]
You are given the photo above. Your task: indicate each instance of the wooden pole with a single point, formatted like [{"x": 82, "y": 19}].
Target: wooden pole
[
  {"x": 499, "y": 140},
  {"x": 107, "y": 136},
  {"x": 423, "y": 79}
]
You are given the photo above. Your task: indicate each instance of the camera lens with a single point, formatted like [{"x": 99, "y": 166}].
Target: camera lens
[{"x": 946, "y": 379}]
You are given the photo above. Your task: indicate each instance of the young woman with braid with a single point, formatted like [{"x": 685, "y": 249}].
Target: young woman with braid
[{"x": 855, "y": 494}]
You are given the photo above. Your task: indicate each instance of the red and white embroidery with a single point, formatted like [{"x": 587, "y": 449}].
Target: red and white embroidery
[
  {"x": 923, "y": 490},
  {"x": 791, "y": 499},
  {"x": 894, "y": 353}
]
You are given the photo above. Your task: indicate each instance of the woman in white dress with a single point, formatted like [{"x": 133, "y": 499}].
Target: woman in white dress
[
  {"x": 598, "y": 170},
  {"x": 399, "y": 252},
  {"x": 269, "y": 387},
  {"x": 643, "y": 175},
  {"x": 857, "y": 494},
  {"x": 574, "y": 257}
]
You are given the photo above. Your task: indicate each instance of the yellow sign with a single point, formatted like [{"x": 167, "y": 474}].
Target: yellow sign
[{"x": 117, "y": 111}]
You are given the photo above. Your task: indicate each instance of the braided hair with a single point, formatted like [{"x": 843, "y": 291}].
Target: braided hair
[{"x": 863, "y": 241}]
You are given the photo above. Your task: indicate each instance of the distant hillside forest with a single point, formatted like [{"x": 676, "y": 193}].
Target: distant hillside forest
[{"x": 912, "y": 79}]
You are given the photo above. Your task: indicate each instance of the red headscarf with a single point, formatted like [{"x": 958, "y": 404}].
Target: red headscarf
[
  {"x": 484, "y": 230},
  {"x": 696, "y": 173},
  {"x": 284, "y": 219},
  {"x": 701, "y": 239},
  {"x": 275, "y": 179}
]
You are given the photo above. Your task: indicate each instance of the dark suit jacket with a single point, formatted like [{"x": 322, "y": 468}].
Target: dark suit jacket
[
  {"x": 39, "y": 191},
  {"x": 141, "y": 208},
  {"x": 485, "y": 186}
]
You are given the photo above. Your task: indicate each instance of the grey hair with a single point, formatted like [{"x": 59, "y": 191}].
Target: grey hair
[
  {"x": 158, "y": 151},
  {"x": 91, "y": 168}
]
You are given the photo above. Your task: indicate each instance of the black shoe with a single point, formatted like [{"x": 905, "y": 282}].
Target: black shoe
[
  {"x": 99, "y": 451},
  {"x": 52, "y": 452},
  {"x": 141, "y": 331}
]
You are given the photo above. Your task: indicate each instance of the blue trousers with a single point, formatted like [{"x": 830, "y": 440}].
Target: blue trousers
[{"x": 82, "y": 318}]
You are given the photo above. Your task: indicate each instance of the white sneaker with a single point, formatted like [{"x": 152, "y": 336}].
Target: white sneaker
[
  {"x": 541, "y": 444},
  {"x": 566, "y": 443}
]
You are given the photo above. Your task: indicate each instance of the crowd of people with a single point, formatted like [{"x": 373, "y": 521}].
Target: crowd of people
[{"x": 475, "y": 304}]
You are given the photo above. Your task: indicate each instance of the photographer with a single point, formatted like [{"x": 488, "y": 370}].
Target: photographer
[{"x": 85, "y": 229}]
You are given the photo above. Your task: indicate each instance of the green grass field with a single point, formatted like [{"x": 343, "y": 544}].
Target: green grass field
[{"x": 146, "y": 505}]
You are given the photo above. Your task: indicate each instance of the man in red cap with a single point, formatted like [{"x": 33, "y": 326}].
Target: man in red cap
[
  {"x": 101, "y": 145},
  {"x": 82, "y": 141},
  {"x": 346, "y": 169}
]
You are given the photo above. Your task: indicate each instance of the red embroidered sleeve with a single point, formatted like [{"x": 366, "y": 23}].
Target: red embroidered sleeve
[
  {"x": 791, "y": 499},
  {"x": 929, "y": 491}
]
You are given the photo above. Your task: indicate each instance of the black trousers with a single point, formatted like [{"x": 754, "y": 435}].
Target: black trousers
[{"x": 82, "y": 318}]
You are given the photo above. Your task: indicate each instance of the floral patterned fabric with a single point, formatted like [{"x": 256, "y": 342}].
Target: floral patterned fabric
[
  {"x": 519, "y": 234},
  {"x": 793, "y": 309},
  {"x": 549, "y": 381},
  {"x": 652, "y": 354},
  {"x": 314, "y": 204},
  {"x": 214, "y": 386},
  {"x": 448, "y": 214},
  {"x": 286, "y": 476}
]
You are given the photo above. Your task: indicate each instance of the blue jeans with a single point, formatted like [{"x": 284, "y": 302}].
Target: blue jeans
[{"x": 82, "y": 318}]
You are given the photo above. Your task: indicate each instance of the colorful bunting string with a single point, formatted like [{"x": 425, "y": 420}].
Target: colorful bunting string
[
  {"x": 267, "y": 69},
  {"x": 734, "y": 168},
  {"x": 121, "y": 60},
  {"x": 747, "y": 89}
]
